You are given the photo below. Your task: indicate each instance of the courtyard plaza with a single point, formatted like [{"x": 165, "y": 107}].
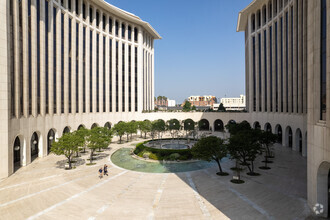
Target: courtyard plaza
[{"x": 44, "y": 190}]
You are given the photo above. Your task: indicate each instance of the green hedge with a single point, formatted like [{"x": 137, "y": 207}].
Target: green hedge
[{"x": 161, "y": 154}]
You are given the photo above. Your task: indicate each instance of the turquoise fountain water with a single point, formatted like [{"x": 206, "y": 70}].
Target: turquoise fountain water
[{"x": 123, "y": 159}]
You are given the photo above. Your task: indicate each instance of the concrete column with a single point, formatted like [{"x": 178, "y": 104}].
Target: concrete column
[
  {"x": 153, "y": 77},
  {"x": 295, "y": 57},
  {"x": 17, "y": 67},
  {"x": 5, "y": 151},
  {"x": 263, "y": 92},
  {"x": 140, "y": 70},
  {"x": 101, "y": 104},
  {"x": 113, "y": 77},
  {"x": 74, "y": 104},
  {"x": 268, "y": 70},
  {"x": 305, "y": 58},
  {"x": 258, "y": 104},
  {"x": 273, "y": 70},
  {"x": 66, "y": 63},
  {"x": 58, "y": 61},
  {"x": 290, "y": 74},
  {"x": 80, "y": 66},
  {"x": 42, "y": 61},
  {"x": 51, "y": 63},
  {"x": 107, "y": 69},
  {"x": 120, "y": 70},
  {"x": 133, "y": 71},
  {"x": 34, "y": 57},
  {"x": 285, "y": 98},
  {"x": 279, "y": 73},
  {"x": 87, "y": 62},
  {"x": 300, "y": 57},
  {"x": 251, "y": 101},
  {"x": 25, "y": 34},
  {"x": 94, "y": 71},
  {"x": 126, "y": 69}
]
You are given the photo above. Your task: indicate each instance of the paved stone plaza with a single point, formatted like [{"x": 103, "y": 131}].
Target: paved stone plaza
[{"x": 43, "y": 190}]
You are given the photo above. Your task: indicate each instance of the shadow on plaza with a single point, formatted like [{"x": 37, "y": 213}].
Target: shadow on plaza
[
  {"x": 83, "y": 158},
  {"x": 286, "y": 181}
]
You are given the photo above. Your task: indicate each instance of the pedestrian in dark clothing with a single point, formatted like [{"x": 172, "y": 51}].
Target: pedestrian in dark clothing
[
  {"x": 100, "y": 173},
  {"x": 105, "y": 170}
]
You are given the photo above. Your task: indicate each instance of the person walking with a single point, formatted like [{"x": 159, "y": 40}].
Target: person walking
[
  {"x": 105, "y": 169},
  {"x": 100, "y": 173}
]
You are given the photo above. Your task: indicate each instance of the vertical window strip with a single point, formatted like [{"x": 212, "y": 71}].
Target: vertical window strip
[
  {"x": 21, "y": 56},
  {"x": 29, "y": 58},
  {"x": 129, "y": 79},
  {"x": 77, "y": 66},
  {"x": 62, "y": 62},
  {"x": 110, "y": 75},
  {"x": 54, "y": 60},
  {"x": 12, "y": 59},
  {"x": 38, "y": 56},
  {"x": 91, "y": 72},
  {"x": 70, "y": 64},
  {"x": 287, "y": 60},
  {"x": 254, "y": 72},
  {"x": 123, "y": 77},
  {"x": 104, "y": 75},
  {"x": 259, "y": 66},
  {"x": 136, "y": 79},
  {"x": 84, "y": 69},
  {"x": 265, "y": 64},
  {"x": 323, "y": 59},
  {"x": 281, "y": 37},
  {"x": 276, "y": 69},
  {"x": 46, "y": 55},
  {"x": 97, "y": 73},
  {"x": 271, "y": 66}
]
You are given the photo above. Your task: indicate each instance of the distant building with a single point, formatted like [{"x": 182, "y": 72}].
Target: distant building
[
  {"x": 170, "y": 103},
  {"x": 202, "y": 100},
  {"x": 234, "y": 104}
]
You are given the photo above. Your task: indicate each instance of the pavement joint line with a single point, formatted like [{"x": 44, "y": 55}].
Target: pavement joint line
[
  {"x": 75, "y": 196},
  {"x": 244, "y": 198},
  {"x": 44, "y": 178},
  {"x": 42, "y": 191},
  {"x": 157, "y": 198},
  {"x": 201, "y": 203},
  {"x": 108, "y": 204}
]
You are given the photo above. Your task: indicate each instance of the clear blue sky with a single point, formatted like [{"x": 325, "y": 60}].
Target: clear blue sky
[{"x": 200, "y": 53}]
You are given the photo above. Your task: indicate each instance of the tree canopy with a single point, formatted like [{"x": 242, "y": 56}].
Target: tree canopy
[{"x": 210, "y": 148}]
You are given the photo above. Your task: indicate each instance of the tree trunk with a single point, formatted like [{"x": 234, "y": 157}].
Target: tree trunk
[
  {"x": 127, "y": 137},
  {"x": 218, "y": 162},
  {"x": 120, "y": 139},
  {"x": 252, "y": 166},
  {"x": 91, "y": 156},
  {"x": 69, "y": 160}
]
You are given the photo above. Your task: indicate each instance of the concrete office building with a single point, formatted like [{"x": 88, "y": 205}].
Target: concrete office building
[
  {"x": 287, "y": 80},
  {"x": 65, "y": 64}
]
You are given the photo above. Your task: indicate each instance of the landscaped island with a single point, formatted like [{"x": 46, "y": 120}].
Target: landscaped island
[{"x": 165, "y": 149}]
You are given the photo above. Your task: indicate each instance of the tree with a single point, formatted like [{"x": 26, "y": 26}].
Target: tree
[
  {"x": 244, "y": 147},
  {"x": 131, "y": 128},
  {"x": 210, "y": 148},
  {"x": 98, "y": 137},
  {"x": 81, "y": 135},
  {"x": 120, "y": 129},
  {"x": 160, "y": 127},
  {"x": 67, "y": 145},
  {"x": 266, "y": 139},
  {"x": 186, "y": 107},
  {"x": 234, "y": 128},
  {"x": 144, "y": 127},
  {"x": 173, "y": 126},
  {"x": 221, "y": 108},
  {"x": 193, "y": 108},
  {"x": 188, "y": 126}
]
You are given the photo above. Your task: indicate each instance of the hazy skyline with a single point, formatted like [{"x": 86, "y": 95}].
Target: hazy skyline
[{"x": 200, "y": 53}]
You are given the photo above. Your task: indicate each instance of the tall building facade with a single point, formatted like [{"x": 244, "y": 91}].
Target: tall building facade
[
  {"x": 287, "y": 80},
  {"x": 65, "y": 63}
]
